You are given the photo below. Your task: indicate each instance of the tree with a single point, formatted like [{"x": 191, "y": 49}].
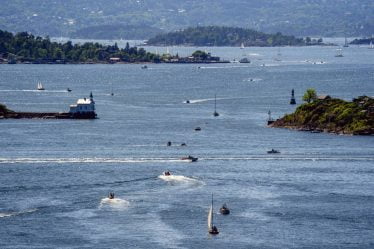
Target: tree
[{"x": 310, "y": 95}]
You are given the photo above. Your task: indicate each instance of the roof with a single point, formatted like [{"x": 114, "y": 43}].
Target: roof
[{"x": 84, "y": 101}]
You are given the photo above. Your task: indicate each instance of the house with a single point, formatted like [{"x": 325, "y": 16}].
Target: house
[{"x": 85, "y": 108}]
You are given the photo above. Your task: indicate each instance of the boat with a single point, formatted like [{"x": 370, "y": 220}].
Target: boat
[
  {"x": 68, "y": 89},
  {"x": 272, "y": 151},
  {"x": 215, "y": 114},
  {"x": 144, "y": 67},
  {"x": 371, "y": 46},
  {"x": 242, "y": 45},
  {"x": 197, "y": 129},
  {"x": 278, "y": 57},
  {"x": 190, "y": 158},
  {"x": 345, "y": 42},
  {"x": 245, "y": 60},
  {"x": 224, "y": 210},
  {"x": 339, "y": 52},
  {"x": 168, "y": 143},
  {"x": 40, "y": 86},
  {"x": 212, "y": 229},
  {"x": 167, "y": 173},
  {"x": 111, "y": 195}
]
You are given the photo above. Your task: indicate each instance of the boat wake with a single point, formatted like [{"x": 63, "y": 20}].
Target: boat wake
[
  {"x": 180, "y": 179},
  {"x": 10, "y": 214},
  {"x": 299, "y": 157},
  {"x": 116, "y": 203},
  {"x": 38, "y": 91},
  {"x": 253, "y": 79},
  {"x": 225, "y": 67},
  {"x": 194, "y": 101}
]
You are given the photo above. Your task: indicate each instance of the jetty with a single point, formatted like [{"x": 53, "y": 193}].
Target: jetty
[{"x": 83, "y": 109}]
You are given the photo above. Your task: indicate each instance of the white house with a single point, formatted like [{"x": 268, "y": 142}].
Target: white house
[{"x": 84, "y": 106}]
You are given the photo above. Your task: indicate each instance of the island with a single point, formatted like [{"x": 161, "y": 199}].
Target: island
[
  {"x": 27, "y": 49},
  {"x": 327, "y": 114},
  {"x": 83, "y": 109},
  {"x": 228, "y": 36},
  {"x": 363, "y": 41}
]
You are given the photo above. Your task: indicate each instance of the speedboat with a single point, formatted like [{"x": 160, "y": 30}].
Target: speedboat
[
  {"x": 111, "y": 195},
  {"x": 167, "y": 173},
  {"x": 69, "y": 90},
  {"x": 189, "y": 158},
  {"x": 144, "y": 67},
  {"x": 224, "y": 210},
  {"x": 272, "y": 151},
  {"x": 197, "y": 129}
]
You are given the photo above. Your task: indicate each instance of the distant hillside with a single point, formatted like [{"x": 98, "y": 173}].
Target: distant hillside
[
  {"x": 225, "y": 36},
  {"x": 116, "y": 31},
  {"x": 291, "y": 17},
  {"x": 362, "y": 41}
]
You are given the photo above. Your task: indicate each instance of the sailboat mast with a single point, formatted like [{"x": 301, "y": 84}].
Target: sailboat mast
[{"x": 215, "y": 107}]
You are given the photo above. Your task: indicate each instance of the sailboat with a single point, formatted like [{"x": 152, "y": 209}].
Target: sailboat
[
  {"x": 215, "y": 114},
  {"x": 242, "y": 45},
  {"x": 339, "y": 52},
  {"x": 212, "y": 229},
  {"x": 278, "y": 57},
  {"x": 40, "y": 86},
  {"x": 371, "y": 45},
  {"x": 345, "y": 42}
]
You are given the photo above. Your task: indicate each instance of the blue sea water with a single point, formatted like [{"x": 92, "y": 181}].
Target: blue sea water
[{"x": 55, "y": 175}]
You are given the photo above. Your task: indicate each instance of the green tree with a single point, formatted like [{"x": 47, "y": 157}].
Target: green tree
[{"x": 310, "y": 95}]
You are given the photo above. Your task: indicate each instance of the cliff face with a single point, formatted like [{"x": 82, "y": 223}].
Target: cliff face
[{"x": 332, "y": 115}]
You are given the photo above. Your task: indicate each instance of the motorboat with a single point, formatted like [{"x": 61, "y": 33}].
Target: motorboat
[
  {"x": 272, "y": 151},
  {"x": 167, "y": 173},
  {"x": 68, "y": 89},
  {"x": 224, "y": 210},
  {"x": 197, "y": 129},
  {"x": 212, "y": 229},
  {"x": 168, "y": 143},
  {"x": 190, "y": 158},
  {"x": 111, "y": 195},
  {"x": 144, "y": 67}
]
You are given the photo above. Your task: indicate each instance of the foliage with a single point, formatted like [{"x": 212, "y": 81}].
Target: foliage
[
  {"x": 301, "y": 17},
  {"x": 223, "y": 36},
  {"x": 310, "y": 95},
  {"x": 335, "y": 115},
  {"x": 362, "y": 41},
  {"x": 25, "y": 47}
]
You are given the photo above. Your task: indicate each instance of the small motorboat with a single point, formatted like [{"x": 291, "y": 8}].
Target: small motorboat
[
  {"x": 183, "y": 144},
  {"x": 144, "y": 67},
  {"x": 272, "y": 151},
  {"x": 224, "y": 210},
  {"x": 68, "y": 90},
  {"x": 111, "y": 195},
  {"x": 197, "y": 129},
  {"x": 187, "y": 101},
  {"x": 169, "y": 143},
  {"x": 167, "y": 173},
  {"x": 190, "y": 158}
]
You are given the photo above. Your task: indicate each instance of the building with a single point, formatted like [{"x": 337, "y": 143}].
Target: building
[{"x": 85, "y": 108}]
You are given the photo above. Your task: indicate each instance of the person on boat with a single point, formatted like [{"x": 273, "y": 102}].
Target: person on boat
[
  {"x": 111, "y": 195},
  {"x": 214, "y": 230},
  {"x": 167, "y": 173}
]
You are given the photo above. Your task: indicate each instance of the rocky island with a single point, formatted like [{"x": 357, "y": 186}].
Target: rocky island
[{"x": 326, "y": 114}]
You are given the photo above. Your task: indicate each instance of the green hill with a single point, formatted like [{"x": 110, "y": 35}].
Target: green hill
[
  {"x": 333, "y": 115},
  {"x": 291, "y": 17},
  {"x": 225, "y": 36}
]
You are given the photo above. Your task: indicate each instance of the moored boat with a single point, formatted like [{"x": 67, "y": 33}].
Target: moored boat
[{"x": 190, "y": 158}]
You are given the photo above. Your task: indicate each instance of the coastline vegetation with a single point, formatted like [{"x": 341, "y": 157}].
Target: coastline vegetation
[
  {"x": 24, "y": 47},
  {"x": 332, "y": 115},
  {"x": 228, "y": 36}
]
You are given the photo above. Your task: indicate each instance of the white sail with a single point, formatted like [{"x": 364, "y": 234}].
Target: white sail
[
  {"x": 242, "y": 45},
  {"x": 210, "y": 218},
  {"x": 371, "y": 45}
]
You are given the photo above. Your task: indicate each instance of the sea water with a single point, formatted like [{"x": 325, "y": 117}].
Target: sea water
[{"x": 55, "y": 175}]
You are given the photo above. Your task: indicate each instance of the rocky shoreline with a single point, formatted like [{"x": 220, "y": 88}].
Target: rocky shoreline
[{"x": 332, "y": 116}]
